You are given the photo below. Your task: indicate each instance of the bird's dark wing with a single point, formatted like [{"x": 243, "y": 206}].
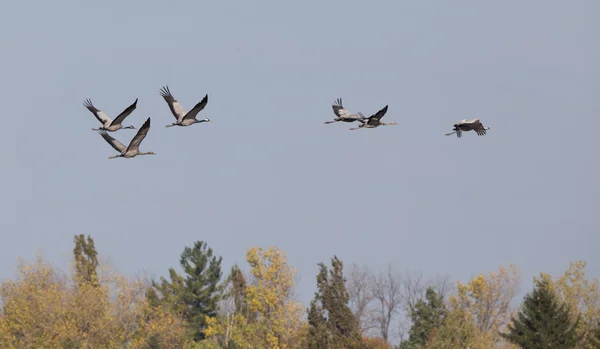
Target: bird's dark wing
[
  {"x": 125, "y": 113},
  {"x": 118, "y": 146},
  {"x": 139, "y": 137},
  {"x": 338, "y": 108},
  {"x": 174, "y": 105},
  {"x": 197, "y": 108},
  {"x": 99, "y": 114},
  {"x": 377, "y": 116},
  {"x": 478, "y": 127}
]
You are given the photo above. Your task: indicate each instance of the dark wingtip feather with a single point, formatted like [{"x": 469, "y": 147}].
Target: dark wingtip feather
[{"x": 164, "y": 91}]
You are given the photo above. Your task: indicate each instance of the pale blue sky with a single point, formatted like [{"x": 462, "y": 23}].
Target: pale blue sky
[{"x": 267, "y": 171}]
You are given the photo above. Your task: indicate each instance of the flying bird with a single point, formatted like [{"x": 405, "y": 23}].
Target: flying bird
[
  {"x": 134, "y": 146},
  {"x": 183, "y": 118},
  {"x": 108, "y": 124},
  {"x": 343, "y": 114},
  {"x": 375, "y": 120},
  {"x": 470, "y": 125}
]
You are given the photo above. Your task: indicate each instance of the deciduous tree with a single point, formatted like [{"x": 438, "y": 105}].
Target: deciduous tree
[
  {"x": 44, "y": 308},
  {"x": 487, "y": 298},
  {"x": 360, "y": 293},
  {"x": 388, "y": 298},
  {"x": 86, "y": 260},
  {"x": 582, "y": 294},
  {"x": 277, "y": 318}
]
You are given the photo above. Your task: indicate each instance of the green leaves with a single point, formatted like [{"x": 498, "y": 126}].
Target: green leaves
[
  {"x": 331, "y": 322},
  {"x": 543, "y": 321},
  {"x": 196, "y": 295},
  {"x": 428, "y": 315}
]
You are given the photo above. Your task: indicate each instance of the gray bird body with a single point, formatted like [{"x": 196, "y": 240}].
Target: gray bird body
[
  {"x": 375, "y": 120},
  {"x": 182, "y": 118},
  {"x": 134, "y": 146},
  {"x": 108, "y": 124},
  {"x": 343, "y": 114},
  {"x": 469, "y": 125}
]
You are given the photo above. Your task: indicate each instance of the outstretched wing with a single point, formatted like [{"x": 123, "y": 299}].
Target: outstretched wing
[
  {"x": 197, "y": 108},
  {"x": 113, "y": 142},
  {"x": 139, "y": 137},
  {"x": 174, "y": 105},
  {"x": 99, "y": 114},
  {"x": 338, "y": 109},
  {"x": 478, "y": 127},
  {"x": 125, "y": 113},
  {"x": 377, "y": 116}
]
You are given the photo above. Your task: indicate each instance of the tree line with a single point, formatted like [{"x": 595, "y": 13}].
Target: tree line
[{"x": 203, "y": 307}]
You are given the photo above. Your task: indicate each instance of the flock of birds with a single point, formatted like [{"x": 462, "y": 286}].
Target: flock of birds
[{"x": 183, "y": 118}]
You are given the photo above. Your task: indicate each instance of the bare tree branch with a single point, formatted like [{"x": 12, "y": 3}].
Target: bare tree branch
[
  {"x": 388, "y": 297},
  {"x": 414, "y": 288},
  {"x": 361, "y": 295}
]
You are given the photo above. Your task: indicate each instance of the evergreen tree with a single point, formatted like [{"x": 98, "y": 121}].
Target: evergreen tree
[
  {"x": 238, "y": 293},
  {"x": 332, "y": 324},
  {"x": 86, "y": 260},
  {"x": 195, "y": 295},
  {"x": 543, "y": 321},
  {"x": 426, "y": 316}
]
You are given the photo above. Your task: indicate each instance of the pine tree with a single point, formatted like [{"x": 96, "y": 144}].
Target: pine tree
[
  {"x": 331, "y": 322},
  {"x": 86, "y": 260},
  {"x": 427, "y": 315},
  {"x": 543, "y": 321},
  {"x": 196, "y": 295}
]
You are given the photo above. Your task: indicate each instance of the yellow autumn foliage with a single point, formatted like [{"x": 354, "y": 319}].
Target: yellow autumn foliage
[
  {"x": 487, "y": 298},
  {"x": 43, "y": 308},
  {"x": 269, "y": 295},
  {"x": 582, "y": 295}
]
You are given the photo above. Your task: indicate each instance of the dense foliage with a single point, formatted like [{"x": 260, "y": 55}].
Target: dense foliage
[
  {"x": 198, "y": 308},
  {"x": 543, "y": 321}
]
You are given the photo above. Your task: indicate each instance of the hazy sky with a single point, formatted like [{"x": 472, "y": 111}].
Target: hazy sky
[{"x": 267, "y": 171}]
